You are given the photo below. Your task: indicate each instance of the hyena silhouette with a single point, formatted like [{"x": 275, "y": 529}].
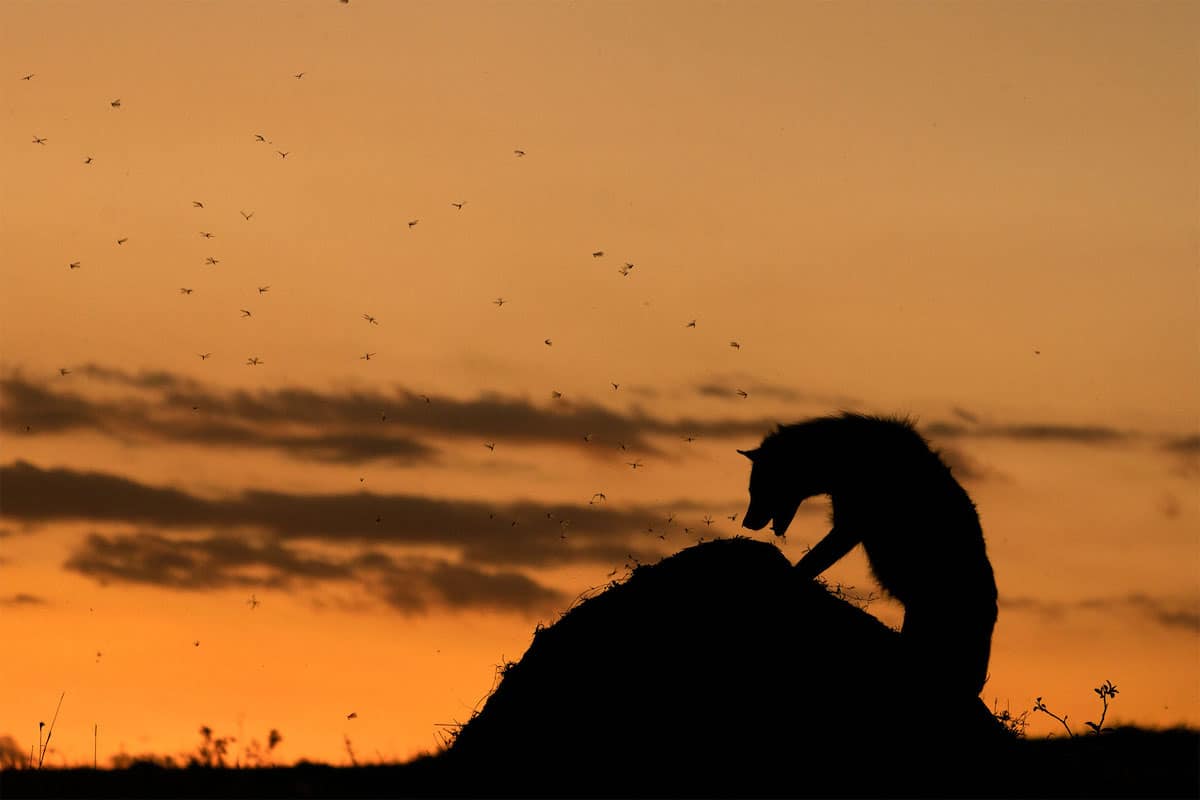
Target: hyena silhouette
[{"x": 918, "y": 526}]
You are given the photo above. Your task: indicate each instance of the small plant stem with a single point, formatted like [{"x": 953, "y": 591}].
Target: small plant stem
[
  {"x": 1063, "y": 720},
  {"x": 1103, "y": 713},
  {"x": 49, "y": 733},
  {"x": 1040, "y": 706}
]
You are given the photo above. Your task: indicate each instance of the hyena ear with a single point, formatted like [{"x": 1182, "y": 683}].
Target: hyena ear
[{"x": 750, "y": 454}]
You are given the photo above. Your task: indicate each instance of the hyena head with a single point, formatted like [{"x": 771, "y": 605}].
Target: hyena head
[{"x": 775, "y": 491}]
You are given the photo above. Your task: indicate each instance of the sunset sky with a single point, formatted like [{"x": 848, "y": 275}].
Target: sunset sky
[{"x": 982, "y": 215}]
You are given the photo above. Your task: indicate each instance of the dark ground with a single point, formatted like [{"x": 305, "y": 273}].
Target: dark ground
[
  {"x": 1126, "y": 763},
  {"x": 714, "y": 673}
]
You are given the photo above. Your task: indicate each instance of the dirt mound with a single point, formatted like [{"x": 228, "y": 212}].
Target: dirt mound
[{"x": 718, "y": 672}]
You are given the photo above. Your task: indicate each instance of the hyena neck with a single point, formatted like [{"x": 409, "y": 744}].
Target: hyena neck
[
  {"x": 849, "y": 454},
  {"x": 814, "y": 451}
]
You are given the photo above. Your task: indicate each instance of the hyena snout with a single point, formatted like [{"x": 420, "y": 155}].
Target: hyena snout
[{"x": 755, "y": 519}]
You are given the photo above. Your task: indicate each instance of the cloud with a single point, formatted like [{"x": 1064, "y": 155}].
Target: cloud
[
  {"x": 146, "y": 379},
  {"x": 408, "y": 584},
  {"x": 1183, "y": 445},
  {"x": 378, "y": 541},
  {"x": 1170, "y": 613},
  {"x": 1167, "y": 614},
  {"x": 28, "y": 406},
  {"x": 524, "y": 533},
  {"x": 354, "y": 425},
  {"x": 1185, "y": 619},
  {"x": 340, "y": 426},
  {"x": 940, "y": 429},
  {"x": 211, "y": 563},
  {"x": 724, "y": 387},
  {"x": 22, "y": 599},
  {"x": 1084, "y": 434},
  {"x": 412, "y": 588},
  {"x": 36, "y": 495},
  {"x": 965, "y": 415},
  {"x": 197, "y": 418},
  {"x": 1045, "y": 608},
  {"x": 1186, "y": 450},
  {"x": 1031, "y": 432}
]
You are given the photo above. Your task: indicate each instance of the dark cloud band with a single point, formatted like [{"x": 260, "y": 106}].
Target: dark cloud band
[
  {"x": 523, "y": 533},
  {"x": 410, "y": 585},
  {"x": 346, "y": 426},
  {"x": 1168, "y": 613}
]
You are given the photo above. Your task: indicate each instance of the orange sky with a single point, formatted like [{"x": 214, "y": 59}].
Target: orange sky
[{"x": 981, "y": 215}]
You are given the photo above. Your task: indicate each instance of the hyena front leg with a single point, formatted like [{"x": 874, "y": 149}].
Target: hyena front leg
[{"x": 837, "y": 543}]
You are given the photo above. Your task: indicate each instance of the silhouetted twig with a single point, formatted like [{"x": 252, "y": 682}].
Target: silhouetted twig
[
  {"x": 1105, "y": 691},
  {"x": 1038, "y": 705},
  {"x": 49, "y": 733},
  {"x": 1013, "y": 723},
  {"x": 212, "y": 751},
  {"x": 843, "y": 592}
]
